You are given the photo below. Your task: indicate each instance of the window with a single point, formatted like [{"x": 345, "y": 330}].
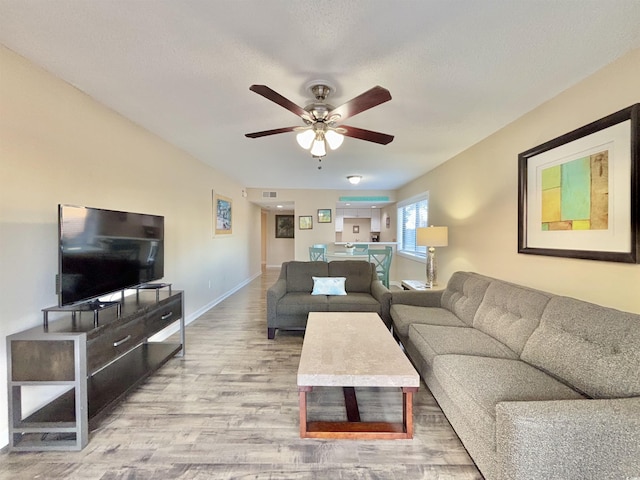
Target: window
[{"x": 412, "y": 214}]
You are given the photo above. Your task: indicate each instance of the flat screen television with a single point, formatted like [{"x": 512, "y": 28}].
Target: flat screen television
[{"x": 105, "y": 251}]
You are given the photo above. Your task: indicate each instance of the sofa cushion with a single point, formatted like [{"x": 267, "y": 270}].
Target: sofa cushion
[
  {"x": 479, "y": 383},
  {"x": 357, "y": 272},
  {"x": 432, "y": 340},
  {"x": 463, "y": 295},
  {"x": 328, "y": 286},
  {"x": 296, "y": 303},
  {"x": 510, "y": 313},
  {"x": 353, "y": 302},
  {"x": 299, "y": 275},
  {"x": 405, "y": 315},
  {"x": 593, "y": 348}
]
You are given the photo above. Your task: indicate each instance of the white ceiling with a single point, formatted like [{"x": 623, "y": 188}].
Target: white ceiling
[{"x": 457, "y": 71}]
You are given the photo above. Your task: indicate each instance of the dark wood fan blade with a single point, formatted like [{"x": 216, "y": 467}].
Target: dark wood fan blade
[
  {"x": 362, "y": 102},
  {"x": 367, "y": 135},
  {"x": 275, "y": 97},
  {"x": 270, "y": 132}
]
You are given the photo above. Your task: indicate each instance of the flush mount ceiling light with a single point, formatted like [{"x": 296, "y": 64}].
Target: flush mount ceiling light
[
  {"x": 321, "y": 119},
  {"x": 354, "y": 179}
]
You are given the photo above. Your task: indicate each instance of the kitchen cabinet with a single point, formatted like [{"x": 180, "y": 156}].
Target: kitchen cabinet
[
  {"x": 372, "y": 213},
  {"x": 339, "y": 219},
  {"x": 375, "y": 219}
]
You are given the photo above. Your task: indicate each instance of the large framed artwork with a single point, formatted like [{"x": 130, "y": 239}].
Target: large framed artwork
[
  {"x": 223, "y": 219},
  {"x": 284, "y": 226},
  {"x": 579, "y": 194}
]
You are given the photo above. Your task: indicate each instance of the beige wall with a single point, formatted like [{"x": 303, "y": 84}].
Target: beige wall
[
  {"x": 364, "y": 230},
  {"x": 476, "y": 195},
  {"x": 57, "y": 145},
  {"x": 388, "y": 234},
  {"x": 278, "y": 249},
  {"x": 307, "y": 202}
]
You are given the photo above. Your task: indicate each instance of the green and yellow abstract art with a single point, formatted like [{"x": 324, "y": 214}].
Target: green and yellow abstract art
[{"x": 575, "y": 194}]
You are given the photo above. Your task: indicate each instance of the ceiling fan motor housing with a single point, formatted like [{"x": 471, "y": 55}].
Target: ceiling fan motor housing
[{"x": 319, "y": 111}]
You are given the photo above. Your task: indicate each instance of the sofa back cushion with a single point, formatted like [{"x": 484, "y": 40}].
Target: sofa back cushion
[
  {"x": 299, "y": 275},
  {"x": 463, "y": 295},
  {"x": 510, "y": 313},
  {"x": 593, "y": 348},
  {"x": 358, "y": 273}
]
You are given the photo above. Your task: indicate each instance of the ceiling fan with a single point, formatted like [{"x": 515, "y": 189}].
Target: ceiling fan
[{"x": 323, "y": 121}]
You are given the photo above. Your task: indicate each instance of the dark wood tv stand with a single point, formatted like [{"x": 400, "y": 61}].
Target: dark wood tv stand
[{"x": 97, "y": 365}]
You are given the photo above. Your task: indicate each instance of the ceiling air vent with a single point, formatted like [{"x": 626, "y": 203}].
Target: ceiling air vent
[{"x": 269, "y": 194}]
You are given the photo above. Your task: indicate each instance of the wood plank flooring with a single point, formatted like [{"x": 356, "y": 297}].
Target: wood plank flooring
[{"x": 229, "y": 410}]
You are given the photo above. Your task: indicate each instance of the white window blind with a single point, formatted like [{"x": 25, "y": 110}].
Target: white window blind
[{"x": 412, "y": 214}]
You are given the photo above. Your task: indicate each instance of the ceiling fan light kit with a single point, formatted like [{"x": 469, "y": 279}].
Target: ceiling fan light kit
[
  {"x": 318, "y": 149},
  {"x": 305, "y": 138},
  {"x": 321, "y": 118},
  {"x": 333, "y": 138}
]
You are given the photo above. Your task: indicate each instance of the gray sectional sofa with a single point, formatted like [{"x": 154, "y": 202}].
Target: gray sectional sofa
[
  {"x": 289, "y": 300},
  {"x": 536, "y": 385}
]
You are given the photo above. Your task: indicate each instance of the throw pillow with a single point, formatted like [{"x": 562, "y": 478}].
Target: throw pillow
[{"x": 328, "y": 286}]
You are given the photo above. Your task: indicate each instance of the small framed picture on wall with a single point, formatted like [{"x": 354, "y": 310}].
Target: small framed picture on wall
[
  {"x": 305, "y": 222},
  {"x": 324, "y": 215}
]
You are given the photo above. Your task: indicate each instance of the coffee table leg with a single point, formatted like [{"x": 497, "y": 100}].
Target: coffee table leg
[
  {"x": 351, "y": 404},
  {"x": 407, "y": 409},
  {"x": 302, "y": 399}
]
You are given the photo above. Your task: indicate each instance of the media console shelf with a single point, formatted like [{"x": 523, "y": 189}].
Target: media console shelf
[{"x": 94, "y": 366}]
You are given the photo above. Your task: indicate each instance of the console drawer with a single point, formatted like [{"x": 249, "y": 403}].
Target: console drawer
[
  {"x": 163, "y": 316},
  {"x": 113, "y": 343}
]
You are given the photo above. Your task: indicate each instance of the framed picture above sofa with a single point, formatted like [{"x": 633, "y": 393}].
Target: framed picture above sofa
[{"x": 579, "y": 194}]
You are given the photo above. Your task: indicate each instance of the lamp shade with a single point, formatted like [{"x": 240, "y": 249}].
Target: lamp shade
[
  {"x": 318, "y": 149},
  {"x": 305, "y": 138},
  {"x": 333, "y": 138},
  {"x": 432, "y": 236}
]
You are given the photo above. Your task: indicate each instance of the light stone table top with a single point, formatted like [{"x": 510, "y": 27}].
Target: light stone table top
[{"x": 352, "y": 349}]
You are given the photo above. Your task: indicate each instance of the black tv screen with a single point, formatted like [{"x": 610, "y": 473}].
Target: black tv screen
[{"x": 104, "y": 251}]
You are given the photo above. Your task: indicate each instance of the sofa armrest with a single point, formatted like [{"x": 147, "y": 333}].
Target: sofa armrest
[
  {"x": 383, "y": 295},
  {"x": 422, "y": 298},
  {"x": 569, "y": 439},
  {"x": 274, "y": 293}
]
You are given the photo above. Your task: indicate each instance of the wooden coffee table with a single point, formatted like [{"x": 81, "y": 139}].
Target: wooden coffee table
[{"x": 348, "y": 350}]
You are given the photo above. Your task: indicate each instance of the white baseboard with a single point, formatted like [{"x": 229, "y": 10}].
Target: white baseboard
[{"x": 175, "y": 328}]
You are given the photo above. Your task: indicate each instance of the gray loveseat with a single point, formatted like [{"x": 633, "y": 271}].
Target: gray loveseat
[
  {"x": 537, "y": 386},
  {"x": 289, "y": 300}
]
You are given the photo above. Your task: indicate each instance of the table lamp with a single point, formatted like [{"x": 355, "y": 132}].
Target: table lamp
[{"x": 432, "y": 237}]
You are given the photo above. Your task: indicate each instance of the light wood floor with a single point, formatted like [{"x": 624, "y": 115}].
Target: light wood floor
[{"x": 229, "y": 410}]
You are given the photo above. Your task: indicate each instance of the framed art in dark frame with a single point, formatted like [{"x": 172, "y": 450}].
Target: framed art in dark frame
[
  {"x": 324, "y": 215},
  {"x": 305, "y": 222},
  {"x": 284, "y": 226},
  {"x": 579, "y": 194}
]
